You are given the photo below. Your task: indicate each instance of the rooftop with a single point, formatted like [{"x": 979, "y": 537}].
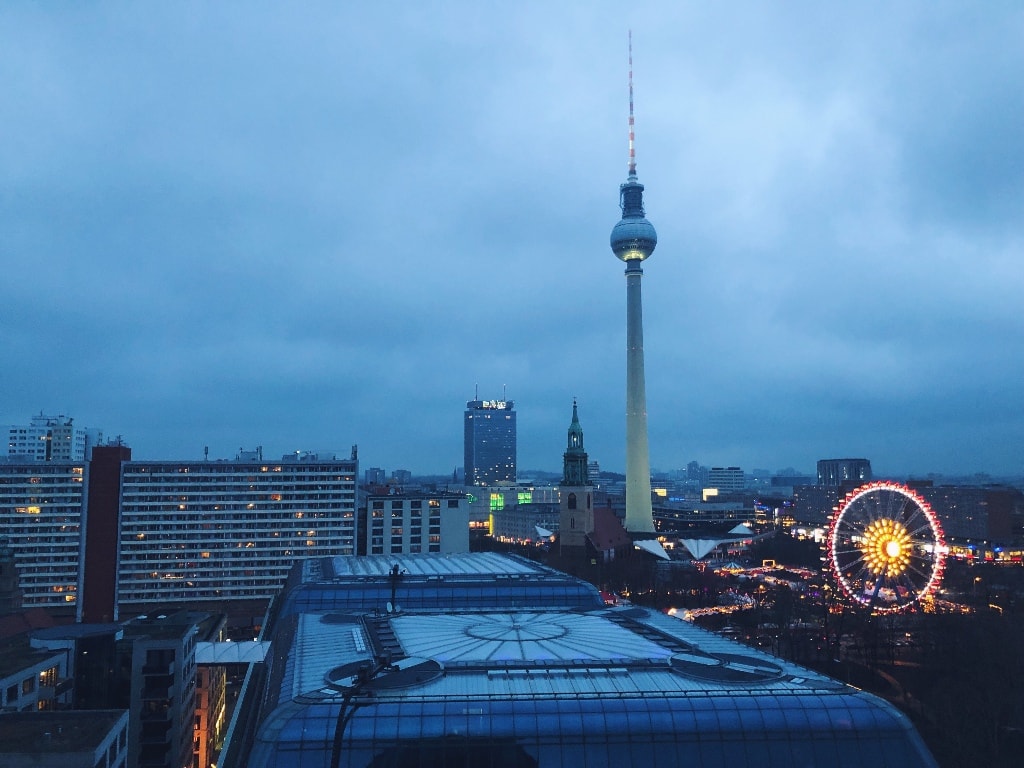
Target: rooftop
[
  {"x": 57, "y": 732},
  {"x": 163, "y": 626},
  {"x": 494, "y": 672},
  {"x": 18, "y": 658},
  {"x": 485, "y": 564}
]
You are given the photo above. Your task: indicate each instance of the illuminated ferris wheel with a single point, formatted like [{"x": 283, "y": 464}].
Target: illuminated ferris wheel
[{"x": 885, "y": 547}]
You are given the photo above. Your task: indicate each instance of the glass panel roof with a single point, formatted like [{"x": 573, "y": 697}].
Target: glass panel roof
[{"x": 534, "y": 670}]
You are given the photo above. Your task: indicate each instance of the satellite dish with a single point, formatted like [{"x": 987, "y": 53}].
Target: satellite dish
[
  {"x": 398, "y": 608},
  {"x": 390, "y": 607}
]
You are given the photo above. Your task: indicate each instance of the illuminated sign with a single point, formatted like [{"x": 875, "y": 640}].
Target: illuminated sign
[{"x": 498, "y": 405}]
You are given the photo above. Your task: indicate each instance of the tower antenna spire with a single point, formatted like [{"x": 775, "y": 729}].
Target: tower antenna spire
[{"x": 632, "y": 147}]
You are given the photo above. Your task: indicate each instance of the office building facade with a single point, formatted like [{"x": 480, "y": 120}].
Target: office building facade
[
  {"x": 834, "y": 473},
  {"x": 490, "y": 442},
  {"x": 726, "y": 479}
]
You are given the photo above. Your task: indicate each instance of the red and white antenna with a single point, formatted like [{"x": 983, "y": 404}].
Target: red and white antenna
[{"x": 632, "y": 149}]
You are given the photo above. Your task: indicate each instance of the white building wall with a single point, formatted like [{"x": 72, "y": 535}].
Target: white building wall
[
  {"x": 417, "y": 523},
  {"x": 726, "y": 479},
  {"x": 48, "y": 438}
]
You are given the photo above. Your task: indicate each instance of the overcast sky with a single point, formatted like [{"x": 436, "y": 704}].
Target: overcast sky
[{"x": 306, "y": 227}]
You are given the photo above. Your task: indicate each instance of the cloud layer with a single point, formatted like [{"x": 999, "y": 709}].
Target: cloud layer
[{"x": 236, "y": 225}]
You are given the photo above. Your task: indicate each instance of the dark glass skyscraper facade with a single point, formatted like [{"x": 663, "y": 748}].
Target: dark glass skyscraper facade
[
  {"x": 836, "y": 472},
  {"x": 490, "y": 442}
]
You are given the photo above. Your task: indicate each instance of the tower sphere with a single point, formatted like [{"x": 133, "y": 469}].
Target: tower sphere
[{"x": 633, "y": 237}]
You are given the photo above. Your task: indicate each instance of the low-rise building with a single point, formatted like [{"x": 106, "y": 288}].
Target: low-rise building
[
  {"x": 405, "y": 523},
  {"x": 32, "y": 680},
  {"x": 72, "y": 739},
  {"x": 155, "y": 676}
]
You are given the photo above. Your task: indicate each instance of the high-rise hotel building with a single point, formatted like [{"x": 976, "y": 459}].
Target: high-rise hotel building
[{"x": 490, "y": 442}]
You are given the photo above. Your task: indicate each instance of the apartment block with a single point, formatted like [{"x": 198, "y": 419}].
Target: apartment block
[
  {"x": 216, "y": 530},
  {"x": 41, "y": 517}
]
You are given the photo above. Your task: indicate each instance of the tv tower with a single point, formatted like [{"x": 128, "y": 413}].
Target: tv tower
[{"x": 633, "y": 239}]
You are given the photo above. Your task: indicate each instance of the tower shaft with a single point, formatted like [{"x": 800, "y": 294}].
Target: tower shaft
[
  {"x": 633, "y": 240},
  {"x": 639, "y": 514}
]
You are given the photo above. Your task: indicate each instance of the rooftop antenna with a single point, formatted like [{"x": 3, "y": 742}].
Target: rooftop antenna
[
  {"x": 476, "y": 391},
  {"x": 503, "y": 388},
  {"x": 632, "y": 148}
]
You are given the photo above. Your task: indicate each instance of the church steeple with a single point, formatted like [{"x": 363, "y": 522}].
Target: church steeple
[
  {"x": 575, "y": 496},
  {"x": 574, "y": 460}
]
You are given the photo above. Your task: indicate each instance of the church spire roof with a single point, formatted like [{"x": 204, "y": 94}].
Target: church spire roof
[
  {"x": 575, "y": 431},
  {"x": 574, "y": 460}
]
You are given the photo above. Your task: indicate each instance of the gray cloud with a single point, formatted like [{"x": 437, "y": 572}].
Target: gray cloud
[{"x": 236, "y": 225}]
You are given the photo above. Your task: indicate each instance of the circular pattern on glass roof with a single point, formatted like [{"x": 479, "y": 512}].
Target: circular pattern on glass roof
[
  {"x": 505, "y": 637},
  {"x": 516, "y": 630}
]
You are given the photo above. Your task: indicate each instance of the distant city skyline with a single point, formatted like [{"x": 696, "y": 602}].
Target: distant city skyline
[
  {"x": 387, "y": 468},
  {"x": 312, "y": 228}
]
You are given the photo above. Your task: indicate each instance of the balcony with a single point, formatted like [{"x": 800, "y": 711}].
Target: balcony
[
  {"x": 164, "y": 668},
  {"x": 154, "y": 690},
  {"x": 153, "y": 755},
  {"x": 154, "y": 732}
]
